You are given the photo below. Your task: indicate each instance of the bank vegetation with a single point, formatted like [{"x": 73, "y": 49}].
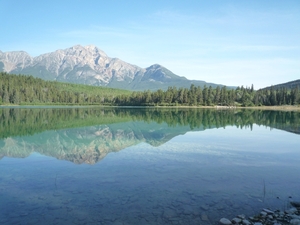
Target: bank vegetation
[{"x": 27, "y": 90}]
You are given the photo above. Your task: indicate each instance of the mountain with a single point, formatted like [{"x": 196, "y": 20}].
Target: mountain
[
  {"x": 288, "y": 85},
  {"x": 90, "y": 65}
]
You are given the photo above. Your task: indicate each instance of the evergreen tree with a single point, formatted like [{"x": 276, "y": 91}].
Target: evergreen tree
[
  {"x": 205, "y": 95},
  {"x": 224, "y": 96},
  {"x": 217, "y": 98}
]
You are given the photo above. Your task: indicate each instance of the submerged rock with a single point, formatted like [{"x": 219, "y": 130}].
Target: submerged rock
[
  {"x": 246, "y": 222},
  {"x": 295, "y": 222},
  {"x": 295, "y": 204},
  {"x": 268, "y": 211},
  {"x": 236, "y": 220},
  {"x": 268, "y": 217},
  {"x": 225, "y": 221}
]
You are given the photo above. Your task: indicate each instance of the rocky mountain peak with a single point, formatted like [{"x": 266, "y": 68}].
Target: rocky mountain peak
[
  {"x": 15, "y": 60},
  {"x": 89, "y": 50},
  {"x": 90, "y": 65},
  {"x": 95, "y": 50},
  {"x": 154, "y": 67}
]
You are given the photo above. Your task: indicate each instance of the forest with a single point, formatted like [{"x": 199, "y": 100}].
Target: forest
[
  {"x": 208, "y": 96},
  {"x": 27, "y": 90}
]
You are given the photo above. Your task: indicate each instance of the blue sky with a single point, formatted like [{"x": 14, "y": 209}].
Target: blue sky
[{"x": 231, "y": 42}]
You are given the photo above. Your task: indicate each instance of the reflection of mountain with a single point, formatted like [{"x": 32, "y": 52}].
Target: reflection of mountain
[
  {"x": 89, "y": 144},
  {"x": 87, "y": 135},
  {"x": 293, "y": 128}
]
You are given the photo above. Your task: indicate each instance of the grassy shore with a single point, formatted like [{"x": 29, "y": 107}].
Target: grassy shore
[{"x": 281, "y": 108}]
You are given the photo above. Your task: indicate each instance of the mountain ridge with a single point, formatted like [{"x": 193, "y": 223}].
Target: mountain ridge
[
  {"x": 92, "y": 66},
  {"x": 287, "y": 85}
]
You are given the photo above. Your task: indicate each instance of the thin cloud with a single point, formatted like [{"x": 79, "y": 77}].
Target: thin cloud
[
  {"x": 261, "y": 73},
  {"x": 259, "y": 48},
  {"x": 97, "y": 31}
]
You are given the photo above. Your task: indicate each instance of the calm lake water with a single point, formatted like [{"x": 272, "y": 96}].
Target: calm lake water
[{"x": 145, "y": 166}]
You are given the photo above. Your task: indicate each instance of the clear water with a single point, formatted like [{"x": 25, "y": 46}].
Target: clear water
[{"x": 140, "y": 169}]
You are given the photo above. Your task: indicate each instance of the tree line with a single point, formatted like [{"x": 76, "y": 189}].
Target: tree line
[
  {"x": 208, "y": 96},
  {"x": 23, "y": 89}
]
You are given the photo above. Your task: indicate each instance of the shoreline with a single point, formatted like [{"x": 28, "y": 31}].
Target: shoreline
[
  {"x": 283, "y": 108},
  {"x": 277, "y": 108},
  {"x": 268, "y": 217}
]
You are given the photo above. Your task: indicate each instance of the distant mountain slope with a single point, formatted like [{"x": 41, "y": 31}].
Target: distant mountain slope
[
  {"x": 288, "y": 85},
  {"x": 90, "y": 65}
]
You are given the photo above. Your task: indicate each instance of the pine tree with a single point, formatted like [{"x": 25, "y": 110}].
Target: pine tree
[{"x": 217, "y": 96}]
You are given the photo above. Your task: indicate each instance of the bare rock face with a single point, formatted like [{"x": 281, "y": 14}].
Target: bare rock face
[
  {"x": 87, "y": 63},
  {"x": 90, "y": 65},
  {"x": 15, "y": 60}
]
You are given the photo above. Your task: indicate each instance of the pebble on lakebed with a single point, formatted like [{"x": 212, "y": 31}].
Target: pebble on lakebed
[{"x": 268, "y": 217}]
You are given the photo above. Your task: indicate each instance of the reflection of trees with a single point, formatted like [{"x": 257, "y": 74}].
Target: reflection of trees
[
  {"x": 27, "y": 121},
  {"x": 209, "y": 118}
]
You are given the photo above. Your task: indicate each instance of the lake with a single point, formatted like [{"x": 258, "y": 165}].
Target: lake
[{"x": 145, "y": 166}]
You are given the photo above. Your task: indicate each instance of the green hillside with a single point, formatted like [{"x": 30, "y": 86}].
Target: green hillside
[
  {"x": 23, "y": 89},
  {"x": 27, "y": 90},
  {"x": 288, "y": 85}
]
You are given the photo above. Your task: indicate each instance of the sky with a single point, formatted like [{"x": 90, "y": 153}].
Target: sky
[{"x": 229, "y": 42}]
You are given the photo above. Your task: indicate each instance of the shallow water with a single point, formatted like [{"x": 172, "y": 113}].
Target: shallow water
[{"x": 139, "y": 169}]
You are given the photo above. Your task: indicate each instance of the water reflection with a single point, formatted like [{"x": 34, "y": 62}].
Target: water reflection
[
  {"x": 87, "y": 135},
  {"x": 175, "y": 167}
]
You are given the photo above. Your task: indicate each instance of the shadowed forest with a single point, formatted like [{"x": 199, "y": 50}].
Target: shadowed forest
[{"x": 27, "y": 90}]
